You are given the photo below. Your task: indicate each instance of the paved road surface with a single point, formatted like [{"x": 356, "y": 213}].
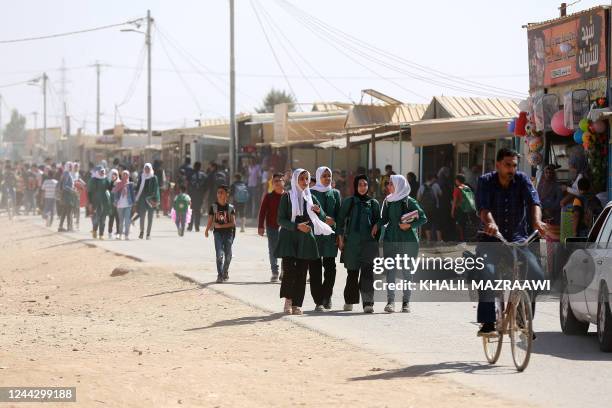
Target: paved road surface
[{"x": 435, "y": 339}]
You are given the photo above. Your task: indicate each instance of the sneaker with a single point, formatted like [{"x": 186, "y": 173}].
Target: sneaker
[
  {"x": 101, "y": 237},
  {"x": 390, "y": 308},
  {"x": 242, "y": 229},
  {"x": 219, "y": 279},
  {"x": 319, "y": 308},
  {"x": 327, "y": 304},
  {"x": 274, "y": 279},
  {"x": 487, "y": 330},
  {"x": 347, "y": 307},
  {"x": 368, "y": 309},
  {"x": 405, "y": 307},
  {"x": 118, "y": 237},
  {"x": 226, "y": 276},
  {"x": 296, "y": 310},
  {"x": 126, "y": 237},
  {"x": 110, "y": 235},
  {"x": 61, "y": 229},
  {"x": 148, "y": 237},
  {"x": 141, "y": 235},
  {"x": 94, "y": 234}
]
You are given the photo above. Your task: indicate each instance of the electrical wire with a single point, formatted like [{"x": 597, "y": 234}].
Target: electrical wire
[
  {"x": 132, "y": 87},
  {"x": 87, "y": 30}
]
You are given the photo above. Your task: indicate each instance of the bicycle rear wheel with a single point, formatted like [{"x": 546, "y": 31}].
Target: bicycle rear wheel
[
  {"x": 521, "y": 329},
  {"x": 492, "y": 347}
]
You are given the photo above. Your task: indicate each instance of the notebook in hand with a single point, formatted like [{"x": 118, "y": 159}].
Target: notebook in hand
[{"x": 410, "y": 217}]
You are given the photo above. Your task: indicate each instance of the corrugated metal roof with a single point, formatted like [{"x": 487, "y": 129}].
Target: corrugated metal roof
[
  {"x": 461, "y": 107},
  {"x": 368, "y": 115}
]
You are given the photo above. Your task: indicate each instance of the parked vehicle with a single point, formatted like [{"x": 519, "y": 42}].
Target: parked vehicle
[{"x": 587, "y": 282}]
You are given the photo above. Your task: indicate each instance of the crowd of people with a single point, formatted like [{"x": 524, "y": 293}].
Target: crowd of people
[{"x": 307, "y": 219}]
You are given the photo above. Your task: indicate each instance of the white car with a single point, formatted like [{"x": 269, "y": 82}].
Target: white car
[{"x": 587, "y": 282}]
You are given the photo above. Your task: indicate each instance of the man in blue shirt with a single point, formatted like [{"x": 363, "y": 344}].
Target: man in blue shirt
[{"x": 507, "y": 203}]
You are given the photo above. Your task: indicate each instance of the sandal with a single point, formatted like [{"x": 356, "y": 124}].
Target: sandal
[{"x": 287, "y": 308}]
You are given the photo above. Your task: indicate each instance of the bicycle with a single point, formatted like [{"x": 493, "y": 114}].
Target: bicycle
[{"x": 514, "y": 318}]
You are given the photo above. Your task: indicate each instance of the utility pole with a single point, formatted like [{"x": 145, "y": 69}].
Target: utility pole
[
  {"x": 44, "y": 85},
  {"x": 232, "y": 138},
  {"x": 148, "y": 42},
  {"x": 1, "y": 127},
  {"x": 97, "y": 97}
]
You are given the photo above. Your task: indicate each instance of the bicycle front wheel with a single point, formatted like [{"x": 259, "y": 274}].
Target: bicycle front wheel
[
  {"x": 521, "y": 329},
  {"x": 492, "y": 347}
]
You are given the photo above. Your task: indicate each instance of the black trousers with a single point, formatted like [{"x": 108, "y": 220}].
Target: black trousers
[
  {"x": 293, "y": 285},
  {"x": 360, "y": 280},
  {"x": 322, "y": 283},
  {"x": 113, "y": 218},
  {"x": 66, "y": 214},
  {"x": 196, "y": 213}
]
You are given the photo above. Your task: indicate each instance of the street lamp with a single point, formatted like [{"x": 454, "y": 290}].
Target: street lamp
[
  {"x": 147, "y": 35},
  {"x": 35, "y": 82}
]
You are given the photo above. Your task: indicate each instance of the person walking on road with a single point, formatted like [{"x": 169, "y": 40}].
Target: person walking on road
[
  {"x": 181, "y": 207},
  {"x": 197, "y": 186},
  {"x": 401, "y": 215},
  {"x": 67, "y": 197},
  {"x": 99, "y": 201},
  {"x": 300, "y": 217},
  {"x": 222, "y": 220},
  {"x": 268, "y": 213},
  {"x": 357, "y": 231},
  {"x": 147, "y": 198},
  {"x": 113, "y": 215},
  {"x": 322, "y": 285},
  {"x": 124, "y": 199},
  {"x": 48, "y": 187}
]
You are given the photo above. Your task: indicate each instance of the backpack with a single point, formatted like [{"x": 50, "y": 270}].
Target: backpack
[
  {"x": 220, "y": 179},
  {"x": 468, "y": 203},
  {"x": 428, "y": 200},
  {"x": 196, "y": 181},
  {"x": 181, "y": 203},
  {"x": 592, "y": 208},
  {"x": 241, "y": 193}
]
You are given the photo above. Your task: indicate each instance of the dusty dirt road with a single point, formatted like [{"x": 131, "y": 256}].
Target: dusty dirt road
[{"x": 147, "y": 338}]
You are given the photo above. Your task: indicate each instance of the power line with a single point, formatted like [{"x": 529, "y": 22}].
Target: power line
[
  {"x": 87, "y": 30},
  {"x": 371, "y": 48},
  {"x": 15, "y": 84},
  {"x": 132, "y": 87},
  {"x": 280, "y": 66}
]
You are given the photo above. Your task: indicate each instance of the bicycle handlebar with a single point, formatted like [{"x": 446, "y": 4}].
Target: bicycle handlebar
[{"x": 504, "y": 241}]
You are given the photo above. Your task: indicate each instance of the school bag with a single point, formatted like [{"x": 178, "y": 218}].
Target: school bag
[
  {"x": 468, "y": 203},
  {"x": 241, "y": 193},
  {"x": 428, "y": 199},
  {"x": 220, "y": 179}
]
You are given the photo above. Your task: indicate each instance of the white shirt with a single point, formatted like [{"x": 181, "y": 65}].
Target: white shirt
[{"x": 48, "y": 187}]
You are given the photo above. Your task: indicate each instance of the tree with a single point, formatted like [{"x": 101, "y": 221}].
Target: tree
[
  {"x": 15, "y": 129},
  {"x": 274, "y": 97}
]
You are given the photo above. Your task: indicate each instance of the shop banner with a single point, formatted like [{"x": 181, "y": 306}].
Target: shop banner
[{"x": 568, "y": 50}]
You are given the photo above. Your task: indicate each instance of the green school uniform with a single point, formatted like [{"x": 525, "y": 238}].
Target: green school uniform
[
  {"x": 396, "y": 240},
  {"x": 330, "y": 204},
  {"x": 355, "y": 221},
  {"x": 99, "y": 196},
  {"x": 150, "y": 190},
  {"x": 291, "y": 241}
]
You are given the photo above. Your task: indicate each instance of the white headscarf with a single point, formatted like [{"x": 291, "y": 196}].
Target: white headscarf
[
  {"x": 110, "y": 174},
  {"x": 75, "y": 172},
  {"x": 68, "y": 167},
  {"x": 144, "y": 177},
  {"x": 319, "y": 186},
  {"x": 297, "y": 197},
  {"x": 97, "y": 173},
  {"x": 401, "y": 189}
]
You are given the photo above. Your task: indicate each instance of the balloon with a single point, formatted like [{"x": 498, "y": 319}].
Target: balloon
[
  {"x": 584, "y": 124},
  {"x": 512, "y": 125},
  {"x": 599, "y": 126},
  {"x": 578, "y": 136},
  {"x": 519, "y": 129},
  {"x": 557, "y": 124}
]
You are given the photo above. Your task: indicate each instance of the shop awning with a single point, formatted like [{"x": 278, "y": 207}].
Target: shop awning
[
  {"x": 339, "y": 142},
  {"x": 459, "y": 130}
]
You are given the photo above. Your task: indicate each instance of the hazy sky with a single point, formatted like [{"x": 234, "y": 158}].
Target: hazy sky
[{"x": 479, "y": 41}]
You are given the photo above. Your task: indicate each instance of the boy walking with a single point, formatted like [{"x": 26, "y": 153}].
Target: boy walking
[
  {"x": 48, "y": 188},
  {"x": 181, "y": 206},
  {"x": 268, "y": 212},
  {"x": 222, "y": 219}
]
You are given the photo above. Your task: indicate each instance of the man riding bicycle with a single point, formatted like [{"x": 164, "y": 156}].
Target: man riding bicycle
[{"x": 506, "y": 201}]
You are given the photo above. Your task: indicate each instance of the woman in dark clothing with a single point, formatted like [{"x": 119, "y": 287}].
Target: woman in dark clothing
[
  {"x": 300, "y": 217},
  {"x": 99, "y": 200},
  {"x": 113, "y": 216},
  {"x": 357, "y": 230},
  {"x": 147, "y": 198}
]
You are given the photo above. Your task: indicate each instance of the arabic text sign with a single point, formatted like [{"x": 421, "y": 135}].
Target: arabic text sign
[{"x": 569, "y": 50}]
